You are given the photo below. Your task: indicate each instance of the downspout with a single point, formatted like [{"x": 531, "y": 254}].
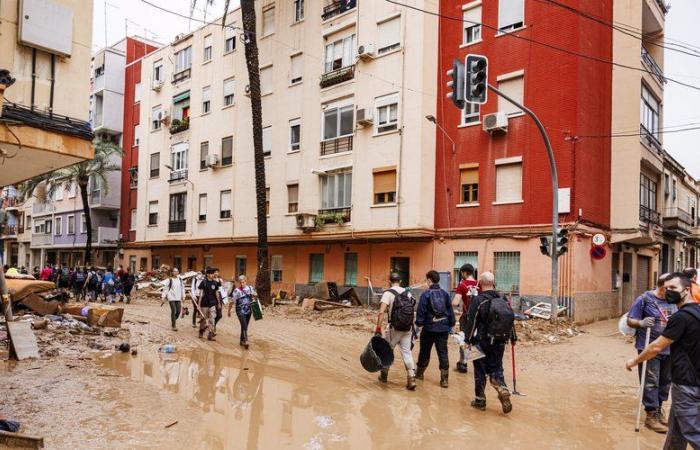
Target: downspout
[
  {"x": 33, "y": 77},
  {"x": 399, "y": 170},
  {"x": 53, "y": 83}
]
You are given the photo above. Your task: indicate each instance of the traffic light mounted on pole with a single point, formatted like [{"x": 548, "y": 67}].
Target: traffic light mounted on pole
[
  {"x": 477, "y": 79},
  {"x": 562, "y": 241},
  {"x": 455, "y": 85}
]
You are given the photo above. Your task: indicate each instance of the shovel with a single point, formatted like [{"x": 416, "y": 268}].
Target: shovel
[
  {"x": 512, "y": 356},
  {"x": 641, "y": 385}
]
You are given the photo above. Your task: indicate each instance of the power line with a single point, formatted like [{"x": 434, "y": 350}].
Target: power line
[
  {"x": 544, "y": 44},
  {"x": 681, "y": 130}
]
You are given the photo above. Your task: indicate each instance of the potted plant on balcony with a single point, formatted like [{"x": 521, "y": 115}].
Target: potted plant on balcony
[{"x": 178, "y": 125}]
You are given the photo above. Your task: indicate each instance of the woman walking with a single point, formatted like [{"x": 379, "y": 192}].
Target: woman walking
[
  {"x": 174, "y": 291},
  {"x": 243, "y": 298}
]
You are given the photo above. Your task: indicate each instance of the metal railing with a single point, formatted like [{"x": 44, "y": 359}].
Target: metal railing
[
  {"x": 337, "y": 145},
  {"x": 39, "y": 208},
  {"x": 336, "y": 7},
  {"x": 177, "y": 175},
  {"x": 337, "y": 76},
  {"x": 651, "y": 139},
  {"x": 10, "y": 230},
  {"x": 105, "y": 235},
  {"x": 9, "y": 202},
  {"x": 177, "y": 226},
  {"x": 680, "y": 214},
  {"x": 181, "y": 75},
  {"x": 334, "y": 215},
  {"x": 648, "y": 215},
  {"x": 651, "y": 64}
]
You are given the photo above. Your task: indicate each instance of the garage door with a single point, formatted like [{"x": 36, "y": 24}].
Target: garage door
[{"x": 643, "y": 268}]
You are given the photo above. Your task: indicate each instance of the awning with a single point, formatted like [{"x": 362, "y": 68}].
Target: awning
[{"x": 180, "y": 97}]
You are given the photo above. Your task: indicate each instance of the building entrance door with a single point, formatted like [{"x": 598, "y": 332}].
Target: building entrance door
[{"x": 401, "y": 265}]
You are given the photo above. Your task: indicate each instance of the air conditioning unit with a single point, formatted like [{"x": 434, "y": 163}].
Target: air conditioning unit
[
  {"x": 364, "y": 117},
  {"x": 157, "y": 85},
  {"x": 365, "y": 52},
  {"x": 496, "y": 122},
  {"x": 306, "y": 222},
  {"x": 213, "y": 161},
  {"x": 246, "y": 91},
  {"x": 164, "y": 117}
]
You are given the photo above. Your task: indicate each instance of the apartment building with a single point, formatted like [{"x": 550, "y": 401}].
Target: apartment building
[
  {"x": 350, "y": 159},
  {"x": 11, "y": 203}
]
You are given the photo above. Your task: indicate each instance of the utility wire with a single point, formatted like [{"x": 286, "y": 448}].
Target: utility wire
[{"x": 681, "y": 130}]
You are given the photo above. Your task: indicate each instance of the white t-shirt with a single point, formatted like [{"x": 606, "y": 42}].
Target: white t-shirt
[{"x": 388, "y": 296}]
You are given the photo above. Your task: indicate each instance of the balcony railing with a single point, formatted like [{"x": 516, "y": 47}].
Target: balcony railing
[
  {"x": 180, "y": 125},
  {"x": 177, "y": 175},
  {"x": 651, "y": 64},
  {"x": 337, "y": 7},
  {"x": 337, "y": 76},
  {"x": 105, "y": 235},
  {"x": 177, "y": 226},
  {"x": 41, "y": 239},
  {"x": 182, "y": 75},
  {"x": 648, "y": 215},
  {"x": 10, "y": 230},
  {"x": 40, "y": 208},
  {"x": 337, "y": 145},
  {"x": 334, "y": 215},
  {"x": 650, "y": 138},
  {"x": 9, "y": 202}
]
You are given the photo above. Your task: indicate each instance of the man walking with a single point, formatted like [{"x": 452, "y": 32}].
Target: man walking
[
  {"x": 243, "y": 298},
  {"x": 651, "y": 312},
  {"x": 467, "y": 289},
  {"x": 174, "y": 291},
  {"x": 490, "y": 325},
  {"x": 436, "y": 316},
  {"x": 208, "y": 301},
  {"x": 682, "y": 334},
  {"x": 399, "y": 305}
]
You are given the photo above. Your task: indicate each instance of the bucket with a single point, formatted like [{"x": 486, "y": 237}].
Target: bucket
[
  {"x": 256, "y": 307},
  {"x": 377, "y": 355}
]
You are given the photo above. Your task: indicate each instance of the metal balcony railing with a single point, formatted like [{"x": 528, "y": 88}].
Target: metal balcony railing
[
  {"x": 336, "y": 7},
  {"x": 335, "y": 215},
  {"x": 40, "y": 208},
  {"x": 9, "y": 202},
  {"x": 337, "y": 76},
  {"x": 177, "y": 226},
  {"x": 653, "y": 67},
  {"x": 648, "y": 215},
  {"x": 337, "y": 145},
  {"x": 650, "y": 138},
  {"x": 181, "y": 75},
  {"x": 10, "y": 230},
  {"x": 177, "y": 175}
]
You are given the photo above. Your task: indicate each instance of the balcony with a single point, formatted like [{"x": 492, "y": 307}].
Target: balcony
[
  {"x": 177, "y": 226},
  {"x": 650, "y": 138},
  {"x": 39, "y": 240},
  {"x": 105, "y": 236},
  {"x": 182, "y": 75},
  {"x": 652, "y": 66},
  {"x": 648, "y": 215},
  {"x": 678, "y": 222},
  {"x": 9, "y": 203},
  {"x": 337, "y": 145},
  {"x": 98, "y": 199},
  {"x": 337, "y": 76},
  {"x": 10, "y": 231},
  {"x": 43, "y": 208},
  {"x": 338, "y": 216},
  {"x": 178, "y": 125},
  {"x": 177, "y": 175},
  {"x": 337, "y": 7}
]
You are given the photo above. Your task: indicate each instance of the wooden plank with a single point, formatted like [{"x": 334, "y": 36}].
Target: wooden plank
[
  {"x": 17, "y": 440},
  {"x": 23, "y": 340}
]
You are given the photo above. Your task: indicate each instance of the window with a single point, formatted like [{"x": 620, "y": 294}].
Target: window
[
  {"x": 462, "y": 258},
  {"x": 178, "y": 157},
  {"x": 177, "y": 223},
  {"x": 132, "y": 224},
  {"x": 206, "y": 100},
  {"x": 389, "y": 35},
  {"x": 225, "y": 205},
  {"x": 155, "y": 165},
  {"x": 647, "y": 193},
  {"x": 227, "y": 151},
  {"x": 133, "y": 177},
  {"x": 667, "y": 184},
  {"x": 507, "y": 268},
  {"x": 384, "y": 185},
  {"x": 83, "y": 223},
  {"x": 48, "y": 223},
  {"x": 675, "y": 189},
  {"x": 296, "y": 72},
  {"x": 153, "y": 213},
  {"x": 156, "y": 116},
  {"x": 181, "y": 106},
  {"x": 340, "y": 54},
  {"x": 510, "y": 15},
  {"x": 351, "y": 269},
  {"x": 469, "y": 183},
  {"x": 71, "y": 224},
  {"x": 470, "y": 113},
  {"x": 336, "y": 190},
  {"x": 472, "y": 25},
  {"x": 137, "y": 92},
  {"x": 267, "y": 141},
  {"x": 267, "y": 201},
  {"x": 183, "y": 60},
  {"x": 292, "y": 198},
  {"x": 207, "y": 48},
  {"x": 158, "y": 73},
  {"x": 298, "y": 10},
  {"x": 294, "y": 135},
  {"x": 229, "y": 86},
  {"x": 315, "y": 267},
  {"x": 177, "y": 262},
  {"x": 266, "y": 80},
  {"x": 202, "y": 207},
  {"x": 276, "y": 268},
  {"x": 203, "y": 154},
  {"x": 137, "y": 135},
  {"x": 155, "y": 262},
  {"x": 59, "y": 192},
  {"x": 509, "y": 181},
  {"x": 650, "y": 113},
  {"x": 338, "y": 122},
  {"x": 387, "y": 113},
  {"x": 229, "y": 39},
  {"x": 513, "y": 88},
  {"x": 241, "y": 263},
  {"x": 57, "y": 226},
  {"x": 268, "y": 21},
  {"x": 72, "y": 189}
]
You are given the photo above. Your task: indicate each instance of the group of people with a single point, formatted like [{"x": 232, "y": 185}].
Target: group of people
[
  {"x": 487, "y": 322},
  {"x": 667, "y": 323},
  {"x": 208, "y": 295},
  {"x": 90, "y": 283}
]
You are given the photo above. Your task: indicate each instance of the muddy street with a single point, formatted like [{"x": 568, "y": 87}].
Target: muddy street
[{"x": 301, "y": 386}]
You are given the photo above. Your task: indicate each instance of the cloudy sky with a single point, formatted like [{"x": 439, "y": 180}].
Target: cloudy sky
[{"x": 681, "y": 104}]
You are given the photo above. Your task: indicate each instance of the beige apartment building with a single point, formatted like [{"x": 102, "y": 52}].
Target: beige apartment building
[{"x": 350, "y": 156}]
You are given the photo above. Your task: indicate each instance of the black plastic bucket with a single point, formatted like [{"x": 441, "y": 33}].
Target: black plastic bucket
[{"x": 377, "y": 355}]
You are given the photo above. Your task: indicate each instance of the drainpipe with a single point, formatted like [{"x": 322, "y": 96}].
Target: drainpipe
[
  {"x": 33, "y": 77},
  {"x": 399, "y": 166}
]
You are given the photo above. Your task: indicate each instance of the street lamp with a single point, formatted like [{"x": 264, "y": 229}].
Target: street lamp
[{"x": 432, "y": 119}]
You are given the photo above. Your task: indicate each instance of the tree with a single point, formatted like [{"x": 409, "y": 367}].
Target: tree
[{"x": 96, "y": 169}]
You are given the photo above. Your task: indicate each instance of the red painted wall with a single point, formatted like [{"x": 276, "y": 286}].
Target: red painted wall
[
  {"x": 135, "y": 50},
  {"x": 571, "y": 95}
]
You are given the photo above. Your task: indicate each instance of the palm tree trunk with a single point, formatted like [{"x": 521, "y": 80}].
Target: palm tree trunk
[
  {"x": 262, "y": 281},
  {"x": 83, "y": 185}
]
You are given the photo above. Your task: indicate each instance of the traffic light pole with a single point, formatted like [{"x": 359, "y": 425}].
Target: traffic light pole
[{"x": 555, "y": 199}]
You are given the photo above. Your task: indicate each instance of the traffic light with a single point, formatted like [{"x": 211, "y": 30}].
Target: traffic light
[
  {"x": 562, "y": 241},
  {"x": 545, "y": 245},
  {"x": 477, "y": 67},
  {"x": 455, "y": 86}
]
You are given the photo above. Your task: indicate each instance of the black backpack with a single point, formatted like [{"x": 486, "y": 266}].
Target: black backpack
[
  {"x": 500, "y": 319},
  {"x": 437, "y": 303},
  {"x": 402, "y": 309},
  {"x": 80, "y": 278}
]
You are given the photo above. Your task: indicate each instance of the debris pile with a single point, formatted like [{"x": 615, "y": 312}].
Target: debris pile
[
  {"x": 151, "y": 284},
  {"x": 544, "y": 331}
]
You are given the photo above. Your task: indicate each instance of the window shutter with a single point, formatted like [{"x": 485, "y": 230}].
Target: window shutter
[
  {"x": 267, "y": 139},
  {"x": 513, "y": 88},
  {"x": 266, "y": 80},
  {"x": 385, "y": 181},
  {"x": 293, "y": 193},
  {"x": 509, "y": 183},
  {"x": 469, "y": 176},
  {"x": 225, "y": 200},
  {"x": 296, "y": 67},
  {"x": 202, "y": 204},
  {"x": 510, "y": 12},
  {"x": 229, "y": 86},
  {"x": 389, "y": 32},
  {"x": 206, "y": 94},
  {"x": 472, "y": 15},
  {"x": 276, "y": 262},
  {"x": 229, "y": 32},
  {"x": 207, "y": 41},
  {"x": 153, "y": 207}
]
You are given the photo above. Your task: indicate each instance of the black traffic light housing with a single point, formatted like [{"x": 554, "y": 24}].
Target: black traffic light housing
[
  {"x": 545, "y": 245},
  {"x": 477, "y": 79},
  {"x": 562, "y": 241},
  {"x": 455, "y": 85}
]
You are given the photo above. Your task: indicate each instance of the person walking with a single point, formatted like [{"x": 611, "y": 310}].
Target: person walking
[
  {"x": 194, "y": 293},
  {"x": 174, "y": 291},
  {"x": 79, "y": 278},
  {"x": 682, "y": 334},
  {"x": 243, "y": 299},
  {"x": 129, "y": 280},
  {"x": 650, "y": 311},
  {"x": 692, "y": 273},
  {"x": 466, "y": 290},
  {"x": 208, "y": 301},
  {"x": 490, "y": 323},
  {"x": 436, "y": 317},
  {"x": 92, "y": 284},
  {"x": 46, "y": 273},
  {"x": 108, "y": 285},
  {"x": 399, "y": 306}
]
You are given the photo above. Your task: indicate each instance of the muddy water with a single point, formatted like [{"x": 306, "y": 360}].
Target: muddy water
[{"x": 271, "y": 398}]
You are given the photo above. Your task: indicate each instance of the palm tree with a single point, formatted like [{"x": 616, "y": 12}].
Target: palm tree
[{"x": 96, "y": 169}]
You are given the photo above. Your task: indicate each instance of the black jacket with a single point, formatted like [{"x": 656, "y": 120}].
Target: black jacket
[{"x": 476, "y": 323}]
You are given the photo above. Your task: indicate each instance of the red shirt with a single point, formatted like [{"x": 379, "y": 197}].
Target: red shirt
[
  {"x": 467, "y": 289},
  {"x": 46, "y": 273}
]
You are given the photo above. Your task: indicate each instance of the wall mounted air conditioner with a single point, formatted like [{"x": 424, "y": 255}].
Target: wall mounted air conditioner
[
  {"x": 164, "y": 117},
  {"x": 157, "y": 85},
  {"x": 365, "y": 117},
  {"x": 496, "y": 122},
  {"x": 246, "y": 91},
  {"x": 213, "y": 161},
  {"x": 306, "y": 222},
  {"x": 366, "y": 52}
]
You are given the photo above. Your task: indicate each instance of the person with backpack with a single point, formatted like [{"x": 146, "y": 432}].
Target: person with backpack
[
  {"x": 109, "y": 283},
  {"x": 489, "y": 325},
  {"x": 466, "y": 290},
  {"x": 436, "y": 318},
  {"x": 174, "y": 291},
  {"x": 399, "y": 306},
  {"x": 243, "y": 298},
  {"x": 208, "y": 301},
  {"x": 194, "y": 293},
  {"x": 79, "y": 278},
  {"x": 92, "y": 284},
  {"x": 682, "y": 334},
  {"x": 128, "y": 281},
  {"x": 650, "y": 311}
]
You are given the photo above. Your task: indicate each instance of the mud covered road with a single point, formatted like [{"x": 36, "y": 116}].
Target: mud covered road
[{"x": 301, "y": 386}]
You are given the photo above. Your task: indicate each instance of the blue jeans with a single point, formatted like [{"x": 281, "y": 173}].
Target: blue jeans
[
  {"x": 657, "y": 382},
  {"x": 684, "y": 420},
  {"x": 491, "y": 365}
]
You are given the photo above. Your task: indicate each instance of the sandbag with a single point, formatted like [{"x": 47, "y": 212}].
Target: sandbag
[{"x": 377, "y": 355}]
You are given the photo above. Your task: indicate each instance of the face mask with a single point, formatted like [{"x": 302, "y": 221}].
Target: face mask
[{"x": 673, "y": 297}]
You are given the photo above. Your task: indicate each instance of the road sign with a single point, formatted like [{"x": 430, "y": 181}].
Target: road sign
[
  {"x": 598, "y": 252},
  {"x": 598, "y": 239}
]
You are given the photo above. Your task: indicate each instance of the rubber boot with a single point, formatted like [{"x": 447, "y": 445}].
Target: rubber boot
[
  {"x": 479, "y": 403},
  {"x": 410, "y": 383},
  {"x": 444, "y": 373},
  {"x": 419, "y": 372},
  {"x": 384, "y": 376},
  {"x": 503, "y": 396},
  {"x": 652, "y": 422},
  {"x": 462, "y": 367}
]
